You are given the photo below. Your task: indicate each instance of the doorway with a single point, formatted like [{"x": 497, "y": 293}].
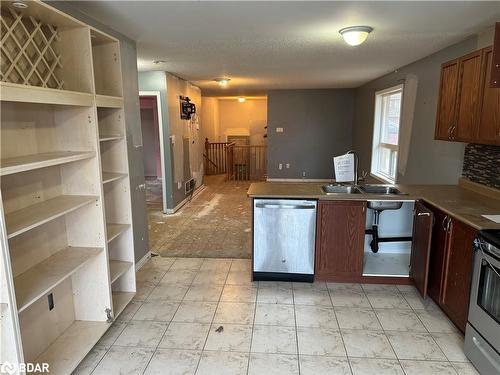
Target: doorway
[{"x": 152, "y": 142}]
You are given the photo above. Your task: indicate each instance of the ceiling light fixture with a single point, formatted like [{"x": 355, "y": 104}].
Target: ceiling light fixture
[
  {"x": 19, "y": 5},
  {"x": 241, "y": 99},
  {"x": 222, "y": 82},
  {"x": 355, "y": 35}
]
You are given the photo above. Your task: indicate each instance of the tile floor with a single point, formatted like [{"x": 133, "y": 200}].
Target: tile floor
[
  {"x": 173, "y": 326},
  {"x": 215, "y": 224}
]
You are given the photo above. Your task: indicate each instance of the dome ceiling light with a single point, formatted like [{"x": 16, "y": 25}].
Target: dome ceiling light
[
  {"x": 355, "y": 35},
  {"x": 222, "y": 82}
]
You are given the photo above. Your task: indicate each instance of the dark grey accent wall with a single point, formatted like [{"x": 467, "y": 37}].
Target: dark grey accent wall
[
  {"x": 128, "y": 54},
  {"x": 430, "y": 161},
  {"x": 317, "y": 125},
  {"x": 482, "y": 164}
]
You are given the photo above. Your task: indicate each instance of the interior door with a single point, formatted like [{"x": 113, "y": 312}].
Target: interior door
[{"x": 421, "y": 247}]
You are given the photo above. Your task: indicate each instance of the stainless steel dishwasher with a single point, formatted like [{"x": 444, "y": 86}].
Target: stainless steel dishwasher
[{"x": 284, "y": 236}]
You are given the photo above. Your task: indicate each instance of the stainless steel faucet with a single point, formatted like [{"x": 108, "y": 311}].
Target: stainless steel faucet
[{"x": 356, "y": 165}]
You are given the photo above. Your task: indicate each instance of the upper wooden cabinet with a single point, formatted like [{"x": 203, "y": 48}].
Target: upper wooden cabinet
[
  {"x": 468, "y": 109},
  {"x": 340, "y": 240},
  {"x": 494, "y": 80}
]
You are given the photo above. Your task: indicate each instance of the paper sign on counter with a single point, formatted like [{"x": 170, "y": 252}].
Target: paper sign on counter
[{"x": 344, "y": 168}]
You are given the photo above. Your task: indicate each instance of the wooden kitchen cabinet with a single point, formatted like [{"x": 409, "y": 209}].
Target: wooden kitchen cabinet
[
  {"x": 446, "y": 113},
  {"x": 468, "y": 108},
  {"x": 489, "y": 124},
  {"x": 340, "y": 240},
  {"x": 439, "y": 243},
  {"x": 458, "y": 273}
]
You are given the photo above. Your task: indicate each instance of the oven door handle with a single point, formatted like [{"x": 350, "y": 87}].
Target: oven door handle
[{"x": 486, "y": 354}]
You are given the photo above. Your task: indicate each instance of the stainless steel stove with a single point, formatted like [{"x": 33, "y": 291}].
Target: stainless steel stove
[{"x": 482, "y": 334}]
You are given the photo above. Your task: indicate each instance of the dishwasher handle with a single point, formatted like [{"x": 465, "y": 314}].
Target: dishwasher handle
[{"x": 286, "y": 206}]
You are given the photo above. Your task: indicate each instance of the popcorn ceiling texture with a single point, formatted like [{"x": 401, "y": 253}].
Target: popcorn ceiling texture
[{"x": 482, "y": 164}]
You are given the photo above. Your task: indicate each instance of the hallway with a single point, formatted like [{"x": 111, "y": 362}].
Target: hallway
[{"x": 215, "y": 224}]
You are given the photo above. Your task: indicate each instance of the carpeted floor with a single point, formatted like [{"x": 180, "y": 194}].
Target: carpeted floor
[{"x": 215, "y": 224}]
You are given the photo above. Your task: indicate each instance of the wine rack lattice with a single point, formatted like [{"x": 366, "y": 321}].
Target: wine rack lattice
[{"x": 28, "y": 52}]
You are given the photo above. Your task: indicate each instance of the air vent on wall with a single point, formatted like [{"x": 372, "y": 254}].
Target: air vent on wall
[{"x": 189, "y": 186}]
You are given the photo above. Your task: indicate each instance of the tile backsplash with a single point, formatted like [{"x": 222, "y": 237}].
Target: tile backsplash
[{"x": 482, "y": 164}]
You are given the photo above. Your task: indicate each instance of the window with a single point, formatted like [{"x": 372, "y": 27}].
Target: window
[{"x": 386, "y": 133}]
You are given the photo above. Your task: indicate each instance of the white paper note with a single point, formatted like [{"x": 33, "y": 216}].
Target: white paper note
[
  {"x": 344, "y": 168},
  {"x": 495, "y": 218}
]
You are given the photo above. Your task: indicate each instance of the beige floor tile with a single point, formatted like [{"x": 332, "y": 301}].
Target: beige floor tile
[
  {"x": 90, "y": 361},
  {"x": 357, "y": 318},
  {"x": 371, "y": 366},
  {"x": 465, "y": 368},
  {"x": 367, "y": 344},
  {"x": 311, "y": 297},
  {"x": 204, "y": 292},
  {"x": 142, "y": 334},
  {"x": 414, "y": 345},
  {"x": 323, "y": 365},
  {"x": 124, "y": 360},
  {"x": 407, "y": 288},
  {"x": 273, "y": 364},
  {"x": 241, "y": 265},
  {"x": 387, "y": 300},
  {"x": 427, "y": 368},
  {"x": 143, "y": 290},
  {"x": 235, "y": 312},
  {"x": 317, "y": 285},
  {"x": 129, "y": 311},
  {"x": 222, "y": 265},
  {"x": 157, "y": 310},
  {"x": 435, "y": 321},
  {"x": 223, "y": 363},
  {"x": 186, "y": 264},
  {"x": 349, "y": 298},
  {"x": 275, "y": 284},
  {"x": 195, "y": 312},
  {"x": 232, "y": 338},
  {"x": 315, "y": 316},
  {"x": 185, "y": 277},
  {"x": 370, "y": 288},
  {"x": 452, "y": 345},
  {"x": 399, "y": 320},
  {"x": 189, "y": 336},
  {"x": 168, "y": 292},
  {"x": 344, "y": 286},
  {"x": 239, "y": 293},
  {"x": 415, "y": 300},
  {"x": 150, "y": 275},
  {"x": 239, "y": 277},
  {"x": 112, "y": 334},
  {"x": 173, "y": 362},
  {"x": 274, "y": 339},
  {"x": 274, "y": 314},
  {"x": 212, "y": 277},
  {"x": 275, "y": 294},
  {"x": 320, "y": 341}
]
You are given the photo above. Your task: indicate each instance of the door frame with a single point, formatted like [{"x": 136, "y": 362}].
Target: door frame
[{"x": 162, "y": 150}]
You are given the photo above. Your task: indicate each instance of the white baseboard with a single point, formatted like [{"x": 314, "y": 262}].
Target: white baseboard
[
  {"x": 171, "y": 211},
  {"x": 142, "y": 261},
  {"x": 299, "y": 180}
]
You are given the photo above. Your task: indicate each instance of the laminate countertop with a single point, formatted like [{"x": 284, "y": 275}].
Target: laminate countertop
[{"x": 460, "y": 202}]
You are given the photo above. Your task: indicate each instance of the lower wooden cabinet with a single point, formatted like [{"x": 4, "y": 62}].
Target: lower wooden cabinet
[
  {"x": 340, "y": 240},
  {"x": 450, "y": 267}
]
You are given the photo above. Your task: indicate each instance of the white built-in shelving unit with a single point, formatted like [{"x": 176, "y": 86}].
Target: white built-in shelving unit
[{"x": 67, "y": 262}]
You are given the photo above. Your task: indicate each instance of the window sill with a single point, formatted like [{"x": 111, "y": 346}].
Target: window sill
[{"x": 385, "y": 180}]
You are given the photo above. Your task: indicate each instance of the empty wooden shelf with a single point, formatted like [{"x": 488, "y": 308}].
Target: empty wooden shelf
[
  {"x": 43, "y": 160},
  {"x": 110, "y": 137},
  {"x": 64, "y": 354},
  {"x": 13, "y": 92},
  {"x": 22, "y": 220},
  {"x": 118, "y": 268},
  {"x": 40, "y": 279},
  {"x": 114, "y": 230},
  {"x": 110, "y": 176},
  {"x": 106, "y": 101},
  {"x": 120, "y": 301}
]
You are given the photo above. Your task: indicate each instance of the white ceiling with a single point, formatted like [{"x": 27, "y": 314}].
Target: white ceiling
[{"x": 282, "y": 45}]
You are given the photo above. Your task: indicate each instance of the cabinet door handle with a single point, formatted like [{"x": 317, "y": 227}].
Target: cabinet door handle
[
  {"x": 444, "y": 224},
  {"x": 423, "y": 214}
]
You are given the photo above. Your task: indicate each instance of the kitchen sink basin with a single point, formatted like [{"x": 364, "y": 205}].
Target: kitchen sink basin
[
  {"x": 340, "y": 189},
  {"x": 380, "y": 189},
  {"x": 384, "y": 205}
]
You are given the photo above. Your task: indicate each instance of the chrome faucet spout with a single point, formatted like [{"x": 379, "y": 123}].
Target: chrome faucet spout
[{"x": 356, "y": 165}]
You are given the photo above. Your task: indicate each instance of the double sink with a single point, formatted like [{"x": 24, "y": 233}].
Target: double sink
[{"x": 332, "y": 189}]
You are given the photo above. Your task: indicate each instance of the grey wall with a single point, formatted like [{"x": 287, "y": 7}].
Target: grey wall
[
  {"x": 430, "y": 161},
  {"x": 317, "y": 125},
  {"x": 128, "y": 54}
]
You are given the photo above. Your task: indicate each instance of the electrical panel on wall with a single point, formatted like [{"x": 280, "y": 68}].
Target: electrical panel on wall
[{"x": 187, "y": 108}]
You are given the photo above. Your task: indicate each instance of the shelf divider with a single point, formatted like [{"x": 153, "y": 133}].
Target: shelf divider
[
  {"x": 118, "y": 268},
  {"x": 120, "y": 301},
  {"x": 114, "y": 230},
  {"x": 111, "y": 176},
  {"x": 20, "y": 221},
  {"x": 37, "y": 281}
]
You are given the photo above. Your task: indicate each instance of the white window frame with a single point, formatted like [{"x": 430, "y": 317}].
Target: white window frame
[{"x": 376, "y": 145}]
